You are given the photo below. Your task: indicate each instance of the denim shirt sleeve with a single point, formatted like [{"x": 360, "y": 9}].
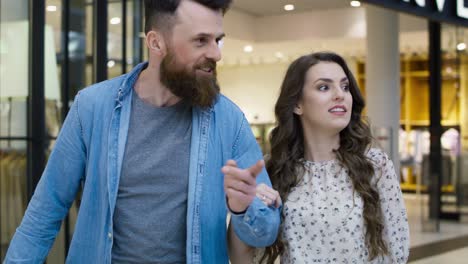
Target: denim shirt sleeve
[
  {"x": 258, "y": 226},
  {"x": 53, "y": 195}
]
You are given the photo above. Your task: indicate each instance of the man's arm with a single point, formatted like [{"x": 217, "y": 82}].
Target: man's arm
[
  {"x": 53, "y": 196},
  {"x": 239, "y": 252},
  {"x": 254, "y": 222}
]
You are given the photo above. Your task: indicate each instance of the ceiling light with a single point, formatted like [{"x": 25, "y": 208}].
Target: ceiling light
[
  {"x": 355, "y": 3},
  {"x": 289, "y": 7},
  {"x": 115, "y": 20},
  {"x": 51, "y": 8},
  {"x": 279, "y": 55},
  {"x": 248, "y": 48},
  {"x": 111, "y": 63},
  {"x": 461, "y": 46}
]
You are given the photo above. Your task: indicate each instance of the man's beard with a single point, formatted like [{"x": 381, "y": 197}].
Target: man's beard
[{"x": 198, "y": 90}]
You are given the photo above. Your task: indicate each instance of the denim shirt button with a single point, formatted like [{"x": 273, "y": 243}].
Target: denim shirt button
[
  {"x": 109, "y": 235},
  {"x": 247, "y": 218}
]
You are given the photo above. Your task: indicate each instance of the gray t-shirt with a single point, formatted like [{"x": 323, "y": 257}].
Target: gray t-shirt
[{"x": 151, "y": 208}]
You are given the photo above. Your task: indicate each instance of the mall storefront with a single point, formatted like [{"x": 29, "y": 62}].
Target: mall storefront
[
  {"x": 50, "y": 49},
  {"x": 441, "y": 117}
]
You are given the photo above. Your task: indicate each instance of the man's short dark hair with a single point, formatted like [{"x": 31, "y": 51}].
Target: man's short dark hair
[{"x": 160, "y": 13}]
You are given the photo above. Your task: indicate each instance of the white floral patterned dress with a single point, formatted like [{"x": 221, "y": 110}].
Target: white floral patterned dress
[{"x": 323, "y": 216}]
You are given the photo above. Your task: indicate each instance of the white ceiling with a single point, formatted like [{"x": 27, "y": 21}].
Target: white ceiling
[
  {"x": 259, "y": 11},
  {"x": 275, "y": 7}
]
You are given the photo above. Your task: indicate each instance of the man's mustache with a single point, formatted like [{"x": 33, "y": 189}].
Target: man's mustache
[{"x": 209, "y": 63}]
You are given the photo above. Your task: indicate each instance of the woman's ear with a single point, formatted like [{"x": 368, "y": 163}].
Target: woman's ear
[{"x": 298, "y": 109}]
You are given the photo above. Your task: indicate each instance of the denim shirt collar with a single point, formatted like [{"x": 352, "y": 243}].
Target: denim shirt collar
[
  {"x": 130, "y": 80},
  {"x": 118, "y": 132}
]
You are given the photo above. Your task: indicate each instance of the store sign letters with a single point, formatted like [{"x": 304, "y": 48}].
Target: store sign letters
[{"x": 462, "y": 10}]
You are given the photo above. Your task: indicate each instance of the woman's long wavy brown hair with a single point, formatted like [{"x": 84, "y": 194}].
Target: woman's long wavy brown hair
[{"x": 287, "y": 150}]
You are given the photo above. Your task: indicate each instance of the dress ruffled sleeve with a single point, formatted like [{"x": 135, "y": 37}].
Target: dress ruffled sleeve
[{"x": 396, "y": 230}]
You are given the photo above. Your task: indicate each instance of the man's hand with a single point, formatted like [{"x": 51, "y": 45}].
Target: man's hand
[{"x": 240, "y": 184}]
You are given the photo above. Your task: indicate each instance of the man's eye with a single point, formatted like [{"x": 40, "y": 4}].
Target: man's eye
[
  {"x": 220, "y": 42},
  {"x": 201, "y": 41}
]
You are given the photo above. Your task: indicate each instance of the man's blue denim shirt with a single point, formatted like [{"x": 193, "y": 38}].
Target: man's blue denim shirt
[{"x": 89, "y": 152}]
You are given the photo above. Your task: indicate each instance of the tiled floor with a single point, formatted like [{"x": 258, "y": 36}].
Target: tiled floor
[
  {"x": 417, "y": 208},
  {"x": 459, "y": 256}
]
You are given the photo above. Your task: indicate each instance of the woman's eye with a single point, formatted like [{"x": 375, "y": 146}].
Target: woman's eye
[
  {"x": 346, "y": 87},
  {"x": 323, "y": 87}
]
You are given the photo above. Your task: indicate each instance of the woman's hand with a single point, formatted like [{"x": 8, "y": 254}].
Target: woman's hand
[{"x": 268, "y": 195}]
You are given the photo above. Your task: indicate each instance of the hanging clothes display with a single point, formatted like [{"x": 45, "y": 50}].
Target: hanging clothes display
[
  {"x": 13, "y": 166},
  {"x": 450, "y": 141},
  {"x": 13, "y": 198},
  {"x": 13, "y": 161}
]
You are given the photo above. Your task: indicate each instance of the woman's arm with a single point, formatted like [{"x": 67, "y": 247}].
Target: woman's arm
[
  {"x": 396, "y": 229},
  {"x": 239, "y": 252}
]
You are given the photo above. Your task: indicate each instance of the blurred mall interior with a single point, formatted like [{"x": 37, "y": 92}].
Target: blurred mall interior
[{"x": 410, "y": 59}]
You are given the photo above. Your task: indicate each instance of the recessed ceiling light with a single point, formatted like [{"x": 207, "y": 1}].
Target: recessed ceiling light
[
  {"x": 461, "y": 46},
  {"x": 279, "y": 55},
  {"x": 115, "y": 20},
  {"x": 289, "y": 7},
  {"x": 111, "y": 63},
  {"x": 248, "y": 48},
  {"x": 51, "y": 8},
  {"x": 355, "y": 3}
]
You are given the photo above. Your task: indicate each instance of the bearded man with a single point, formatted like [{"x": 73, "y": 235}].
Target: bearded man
[{"x": 149, "y": 149}]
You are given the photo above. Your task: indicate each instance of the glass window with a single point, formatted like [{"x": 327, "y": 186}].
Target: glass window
[
  {"x": 14, "y": 83},
  {"x": 53, "y": 58},
  {"x": 115, "y": 38}
]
